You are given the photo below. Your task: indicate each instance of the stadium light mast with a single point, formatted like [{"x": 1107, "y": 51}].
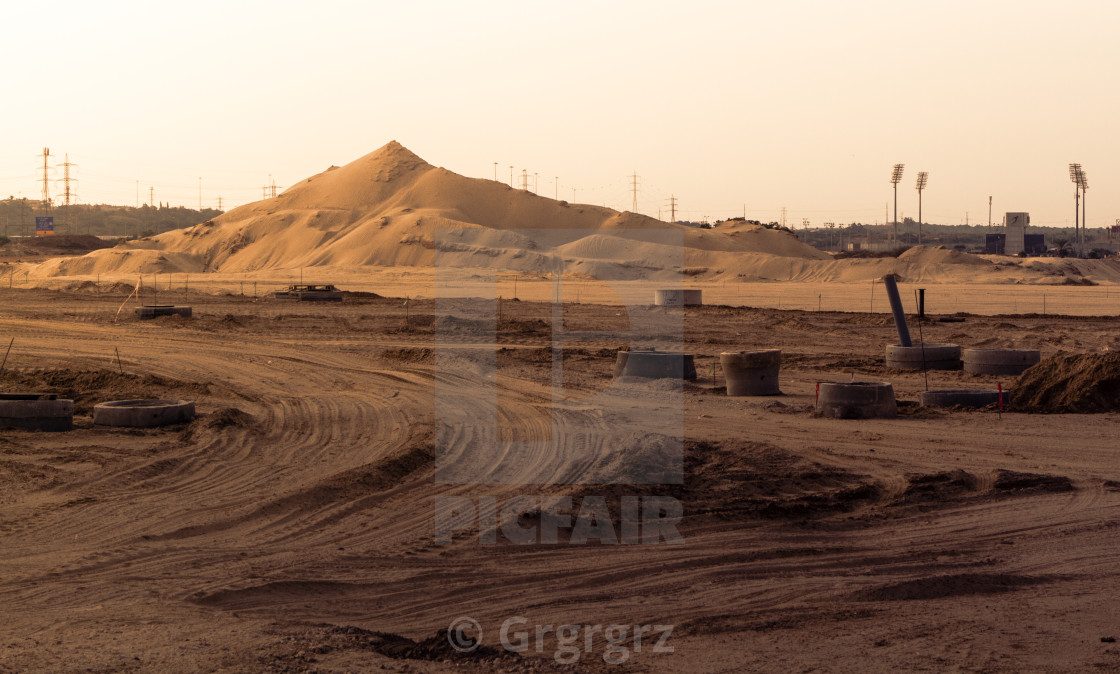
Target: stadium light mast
[
  {"x": 1077, "y": 177},
  {"x": 1084, "y": 207},
  {"x": 896, "y": 176},
  {"x": 923, "y": 177}
]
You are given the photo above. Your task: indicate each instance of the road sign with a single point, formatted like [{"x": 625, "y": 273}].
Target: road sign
[{"x": 44, "y": 226}]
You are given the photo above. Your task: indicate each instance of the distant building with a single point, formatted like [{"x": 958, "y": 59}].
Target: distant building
[
  {"x": 872, "y": 246},
  {"x": 995, "y": 244},
  {"x": 1034, "y": 244},
  {"x": 1015, "y": 229}
]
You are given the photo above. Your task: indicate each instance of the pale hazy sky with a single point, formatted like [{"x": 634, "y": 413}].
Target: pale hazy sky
[{"x": 805, "y": 105}]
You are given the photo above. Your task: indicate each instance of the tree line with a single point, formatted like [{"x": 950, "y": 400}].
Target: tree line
[{"x": 17, "y": 218}]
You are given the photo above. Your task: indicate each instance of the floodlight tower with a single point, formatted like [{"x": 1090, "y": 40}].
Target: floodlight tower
[
  {"x": 1084, "y": 207},
  {"x": 896, "y": 176},
  {"x": 1075, "y": 176},
  {"x": 923, "y": 177}
]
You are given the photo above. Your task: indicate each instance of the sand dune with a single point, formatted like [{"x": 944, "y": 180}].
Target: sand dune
[{"x": 390, "y": 208}]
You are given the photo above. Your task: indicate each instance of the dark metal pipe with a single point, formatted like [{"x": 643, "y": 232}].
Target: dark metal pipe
[
  {"x": 896, "y": 309},
  {"x": 921, "y": 302}
]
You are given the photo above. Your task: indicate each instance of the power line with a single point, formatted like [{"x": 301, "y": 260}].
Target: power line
[
  {"x": 67, "y": 193},
  {"x": 268, "y": 188},
  {"x": 634, "y": 185},
  {"x": 672, "y": 208},
  {"x": 45, "y": 179}
]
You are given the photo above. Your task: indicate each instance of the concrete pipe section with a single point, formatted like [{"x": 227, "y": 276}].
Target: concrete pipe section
[
  {"x": 752, "y": 373},
  {"x": 143, "y": 413},
  {"x": 857, "y": 400},
  {"x": 962, "y": 398},
  {"x": 924, "y": 357},
  {"x": 654, "y": 365},
  {"x": 155, "y": 310},
  {"x": 36, "y": 412},
  {"x": 999, "y": 361},
  {"x": 677, "y": 298},
  {"x": 890, "y": 282}
]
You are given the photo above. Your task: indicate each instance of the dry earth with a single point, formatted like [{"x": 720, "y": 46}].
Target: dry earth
[{"x": 290, "y": 527}]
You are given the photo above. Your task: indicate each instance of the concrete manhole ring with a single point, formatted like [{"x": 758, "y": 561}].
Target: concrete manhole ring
[
  {"x": 752, "y": 373},
  {"x": 934, "y": 356},
  {"x": 143, "y": 413},
  {"x": 36, "y": 412},
  {"x": 655, "y": 365},
  {"x": 857, "y": 400},
  {"x": 999, "y": 361}
]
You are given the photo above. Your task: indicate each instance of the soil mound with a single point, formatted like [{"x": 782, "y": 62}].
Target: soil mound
[
  {"x": 926, "y": 255},
  {"x": 228, "y": 417},
  {"x": 955, "y": 585},
  {"x": 68, "y": 243},
  {"x": 407, "y": 354},
  {"x": 1085, "y": 382}
]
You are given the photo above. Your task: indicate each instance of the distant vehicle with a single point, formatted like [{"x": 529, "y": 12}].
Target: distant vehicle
[{"x": 324, "y": 292}]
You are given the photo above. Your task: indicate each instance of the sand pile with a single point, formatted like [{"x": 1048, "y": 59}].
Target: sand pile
[
  {"x": 391, "y": 209},
  {"x": 927, "y": 255},
  {"x": 1086, "y": 382}
]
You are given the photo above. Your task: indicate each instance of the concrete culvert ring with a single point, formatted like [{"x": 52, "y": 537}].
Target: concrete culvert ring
[
  {"x": 655, "y": 365},
  {"x": 36, "y": 412},
  {"x": 961, "y": 398},
  {"x": 927, "y": 357},
  {"x": 752, "y": 373},
  {"x": 143, "y": 413},
  {"x": 999, "y": 361},
  {"x": 678, "y": 298},
  {"x": 857, "y": 400}
]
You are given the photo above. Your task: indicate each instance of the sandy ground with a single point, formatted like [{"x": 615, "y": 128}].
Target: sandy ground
[
  {"x": 865, "y": 296},
  {"x": 291, "y": 526}
]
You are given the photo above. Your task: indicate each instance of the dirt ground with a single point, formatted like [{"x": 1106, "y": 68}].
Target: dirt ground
[{"x": 291, "y": 526}]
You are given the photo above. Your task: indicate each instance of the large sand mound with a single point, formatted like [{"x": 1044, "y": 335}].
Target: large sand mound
[{"x": 391, "y": 208}]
